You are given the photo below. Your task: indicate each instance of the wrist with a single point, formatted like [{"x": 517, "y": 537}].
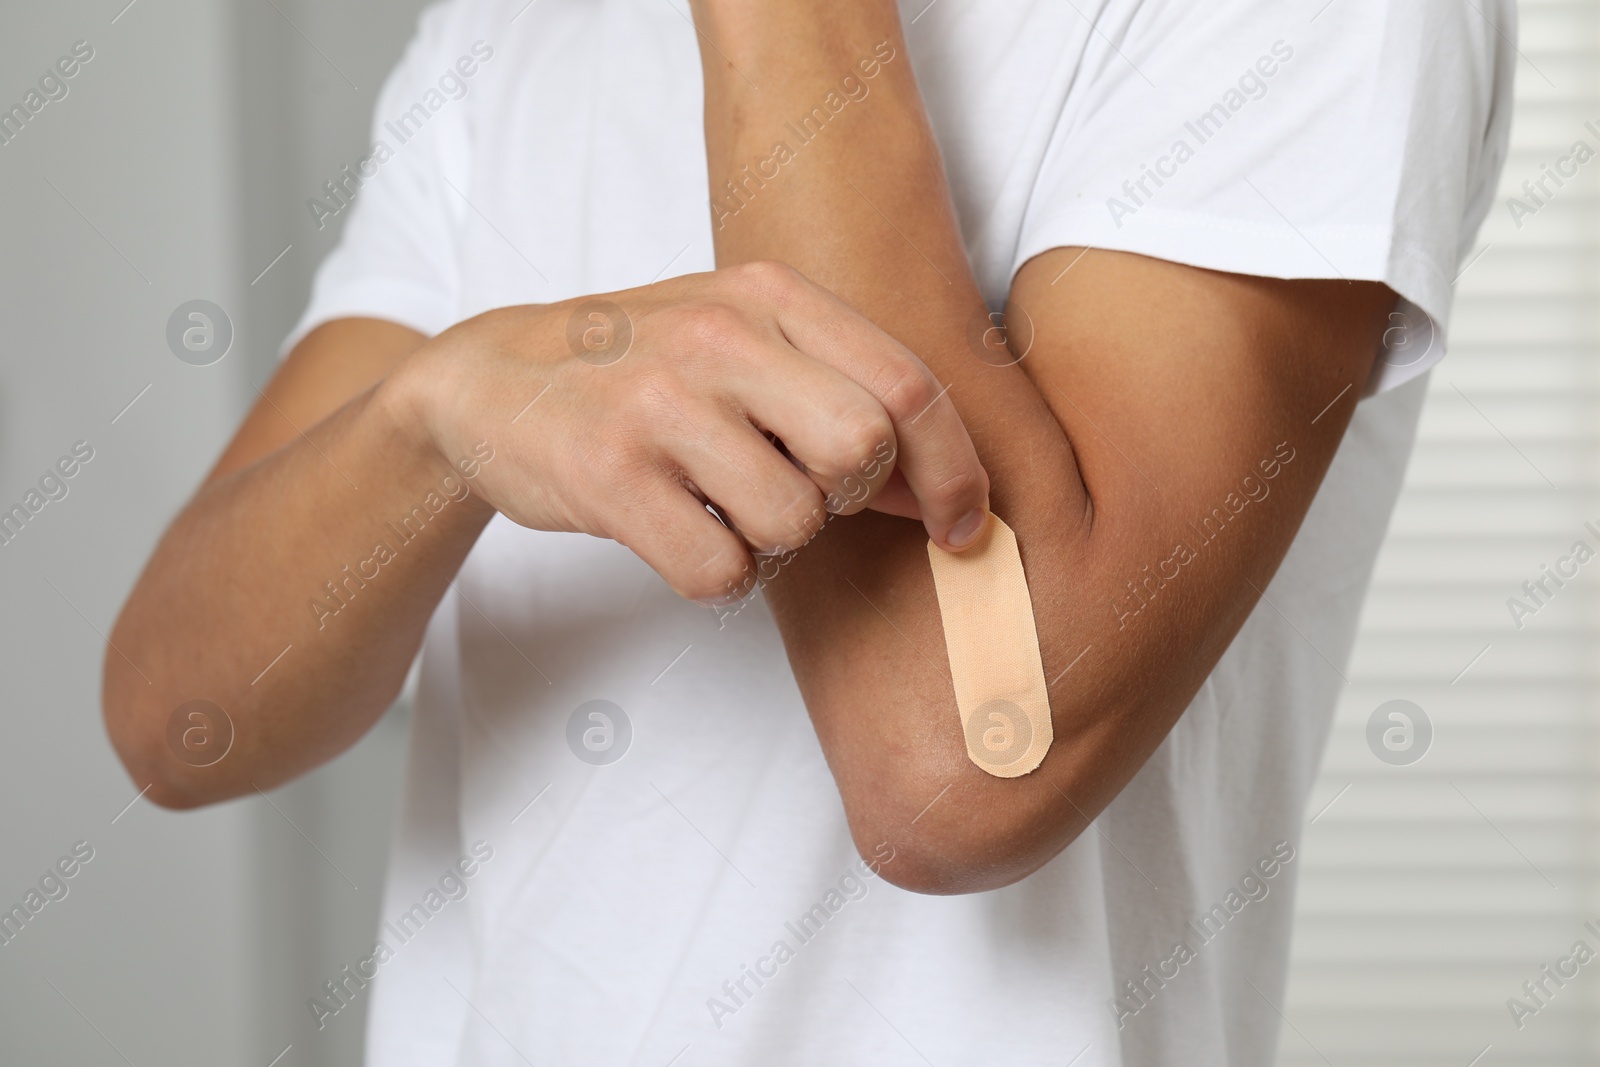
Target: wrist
[{"x": 407, "y": 412}]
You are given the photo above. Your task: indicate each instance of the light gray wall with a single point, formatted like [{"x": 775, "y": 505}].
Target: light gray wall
[
  {"x": 308, "y": 73},
  {"x": 176, "y": 168}
]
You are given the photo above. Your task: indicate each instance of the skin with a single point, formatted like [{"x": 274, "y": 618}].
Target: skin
[
  {"x": 1149, "y": 392},
  {"x": 396, "y": 425}
]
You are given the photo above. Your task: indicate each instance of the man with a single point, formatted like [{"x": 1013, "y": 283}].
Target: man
[{"x": 1216, "y": 229}]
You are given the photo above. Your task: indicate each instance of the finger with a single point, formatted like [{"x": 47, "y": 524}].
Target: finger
[
  {"x": 669, "y": 528},
  {"x": 896, "y": 498},
  {"x": 770, "y": 502},
  {"x": 934, "y": 451},
  {"x": 938, "y": 460},
  {"x": 833, "y": 428}
]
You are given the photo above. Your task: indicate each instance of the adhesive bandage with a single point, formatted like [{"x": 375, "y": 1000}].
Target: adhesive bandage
[{"x": 994, "y": 652}]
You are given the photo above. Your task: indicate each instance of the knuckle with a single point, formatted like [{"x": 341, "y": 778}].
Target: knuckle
[
  {"x": 726, "y": 576},
  {"x": 850, "y": 493},
  {"x": 809, "y": 522},
  {"x": 771, "y": 540},
  {"x": 788, "y": 528},
  {"x": 663, "y": 399},
  {"x": 863, "y": 438},
  {"x": 907, "y": 390},
  {"x": 710, "y": 326},
  {"x": 970, "y": 483},
  {"x": 616, "y": 460},
  {"x": 765, "y": 533},
  {"x": 768, "y": 278}
]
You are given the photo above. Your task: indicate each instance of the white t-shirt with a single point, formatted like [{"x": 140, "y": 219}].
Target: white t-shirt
[{"x": 698, "y": 901}]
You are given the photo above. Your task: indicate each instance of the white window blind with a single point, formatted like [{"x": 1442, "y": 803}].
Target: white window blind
[{"x": 1431, "y": 892}]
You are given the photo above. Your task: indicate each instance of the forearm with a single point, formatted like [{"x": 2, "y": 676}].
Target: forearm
[
  {"x": 826, "y": 191},
  {"x": 292, "y": 594},
  {"x": 863, "y": 208}
]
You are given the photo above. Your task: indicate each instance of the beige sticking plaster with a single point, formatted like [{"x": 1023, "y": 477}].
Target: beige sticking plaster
[{"x": 993, "y": 646}]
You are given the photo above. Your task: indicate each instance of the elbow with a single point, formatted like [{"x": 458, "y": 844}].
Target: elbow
[
  {"x": 140, "y": 740},
  {"x": 949, "y": 834},
  {"x": 141, "y": 757},
  {"x": 165, "y": 795},
  {"x": 951, "y": 864},
  {"x": 149, "y": 767},
  {"x": 936, "y": 871}
]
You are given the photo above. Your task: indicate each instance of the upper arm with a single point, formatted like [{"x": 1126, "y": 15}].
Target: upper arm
[
  {"x": 335, "y": 362},
  {"x": 1180, "y": 424}
]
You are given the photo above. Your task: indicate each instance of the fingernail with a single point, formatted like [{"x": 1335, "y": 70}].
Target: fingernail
[{"x": 967, "y": 530}]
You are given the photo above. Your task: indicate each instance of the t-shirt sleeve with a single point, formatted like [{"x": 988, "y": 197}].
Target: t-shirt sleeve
[
  {"x": 1363, "y": 140},
  {"x": 396, "y": 258}
]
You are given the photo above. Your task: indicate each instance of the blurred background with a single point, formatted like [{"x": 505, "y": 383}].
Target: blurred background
[
  {"x": 176, "y": 168},
  {"x": 1440, "y": 872}
]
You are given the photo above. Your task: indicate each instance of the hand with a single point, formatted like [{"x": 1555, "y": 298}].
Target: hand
[{"x": 750, "y": 389}]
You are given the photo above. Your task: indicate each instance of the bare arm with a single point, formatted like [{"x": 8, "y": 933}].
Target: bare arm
[
  {"x": 230, "y": 586},
  {"x": 293, "y": 590},
  {"x": 1151, "y": 394}
]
